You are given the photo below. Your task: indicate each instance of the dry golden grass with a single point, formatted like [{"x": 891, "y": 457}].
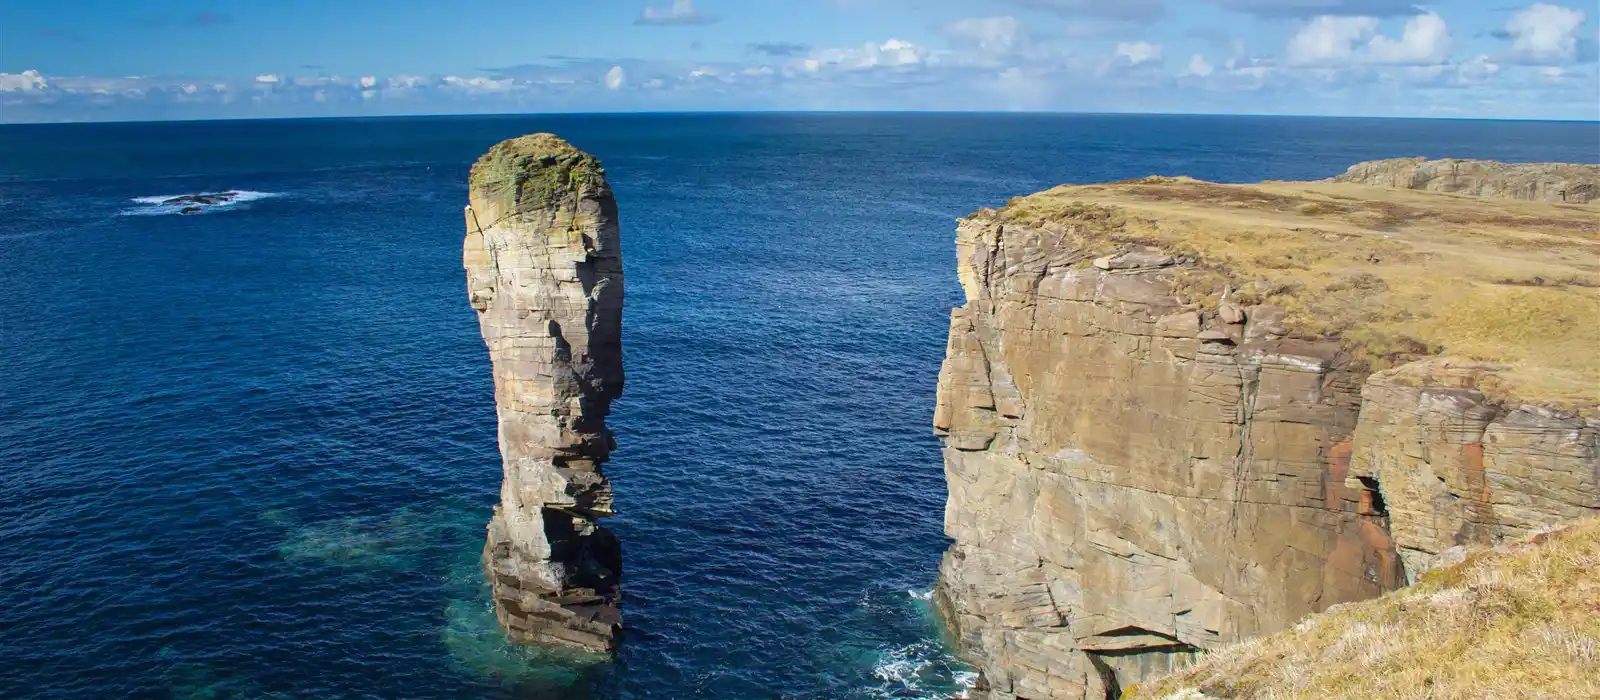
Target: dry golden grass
[
  {"x": 1519, "y": 621},
  {"x": 1396, "y": 274}
]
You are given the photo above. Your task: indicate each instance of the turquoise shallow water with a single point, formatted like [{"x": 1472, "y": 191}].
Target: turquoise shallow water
[{"x": 250, "y": 453}]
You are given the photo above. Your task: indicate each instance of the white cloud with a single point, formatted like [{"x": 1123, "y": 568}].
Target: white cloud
[
  {"x": 1330, "y": 39},
  {"x": 615, "y": 78},
  {"x": 992, "y": 34},
  {"x": 479, "y": 84},
  {"x": 1139, "y": 52},
  {"x": 681, "y": 12},
  {"x": 25, "y": 81},
  {"x": 1545, "y": 34},
  {"x": 1477, "y": 71},
  {"x": 269, "y": 79},
  {"x": 1340, "y": 41},
  {"x": 1425, "y": 41},
  {"x": 1199, "y": 67},
  {"x": 893, "y": 53},
  {"x": 369, "y": 81}
]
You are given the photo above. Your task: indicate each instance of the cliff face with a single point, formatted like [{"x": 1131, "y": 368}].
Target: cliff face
[
  {"x": 1521, "y": 620},
  {"x": 544, "y": 273},
  {"x": 1547, "y": 182},
  {"x": 1179, "y": 414}
]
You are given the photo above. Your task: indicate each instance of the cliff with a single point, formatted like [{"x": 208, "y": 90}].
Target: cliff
[
  {"x": 544, "y": 272},
  {"x": 1180, "y": 414},
  {"x": 1548, "y": 182},
  {"x": 1519, "y": 621}
]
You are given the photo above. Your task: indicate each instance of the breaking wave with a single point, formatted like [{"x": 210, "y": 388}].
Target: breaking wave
[
  {"x": 195, "y": 202},
  {"x": 920, "y": 669}
]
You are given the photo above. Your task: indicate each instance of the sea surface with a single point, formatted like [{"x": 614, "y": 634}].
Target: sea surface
[{"x": 249, "y": 453}]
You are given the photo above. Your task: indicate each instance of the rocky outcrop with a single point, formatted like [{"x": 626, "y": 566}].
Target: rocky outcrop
[
  {"x": 1519, "y": 620},
  {"x": 1150, "y": 453},
  {"x": 1547, "y": 182},
  {"x": 1459, "y": 468},
  {"x": 544, "y": 273}
]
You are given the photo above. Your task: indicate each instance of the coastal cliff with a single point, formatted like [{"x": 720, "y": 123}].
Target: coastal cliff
[
  {"x": 1179, "y": 414},
  {"x": 544, "y": 273}
]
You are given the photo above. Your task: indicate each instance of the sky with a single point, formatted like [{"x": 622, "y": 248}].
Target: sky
[{"x": 84, "y": 60}]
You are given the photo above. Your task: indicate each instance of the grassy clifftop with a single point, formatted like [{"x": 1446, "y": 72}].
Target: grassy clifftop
[
  {"x": 1519, "y": 621},
  {"x": 1397, "y": 275}
]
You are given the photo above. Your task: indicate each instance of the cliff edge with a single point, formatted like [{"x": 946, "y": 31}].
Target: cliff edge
[
  {"x": 544, "y": 272},
  {"x": 1179, "y": 414}
]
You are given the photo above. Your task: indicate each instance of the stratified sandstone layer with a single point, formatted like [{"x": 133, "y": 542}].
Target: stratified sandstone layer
[
  {"x": 1179, "y": 414},
  {"x": 544, "y": 272},
  {"x": 1548, "y": 182}
]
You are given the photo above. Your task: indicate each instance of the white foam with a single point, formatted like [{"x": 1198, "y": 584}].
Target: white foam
[
  {"x": 919, "y": 670},
  {"x": 155, "y": 205},
  {"x": 921, "y": 595},
  {"x": 903, "y": 667}
]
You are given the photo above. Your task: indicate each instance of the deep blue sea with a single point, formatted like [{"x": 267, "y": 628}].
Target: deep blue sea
[{"x": 250, "y": 453}]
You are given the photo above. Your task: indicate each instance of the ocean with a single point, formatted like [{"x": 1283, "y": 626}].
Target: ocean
[{"x": 249, "y": 453}]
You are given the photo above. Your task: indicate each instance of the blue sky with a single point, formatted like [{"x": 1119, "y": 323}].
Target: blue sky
[{"x": 100, "y": 60}]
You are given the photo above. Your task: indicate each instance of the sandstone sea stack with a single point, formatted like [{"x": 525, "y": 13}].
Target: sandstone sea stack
[
  {"x": 544, "y": 272},
  {"x": 1179, "y": 414}
]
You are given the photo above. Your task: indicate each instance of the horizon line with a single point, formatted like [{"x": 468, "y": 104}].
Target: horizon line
[{"x": 696, "y": 112}]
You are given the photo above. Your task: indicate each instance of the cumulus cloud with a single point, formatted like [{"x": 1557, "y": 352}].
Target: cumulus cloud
[
  {"x": 1425, "y": 41},
  {"x": 681, "y": 12},
  {"x": 893, "y": 53},
  {"x": 269, "y": 79},
  {"x": 1335, "y": 41},
  {"x": 1477, "y": 71},
  {"x": 992, "y": 34},
  {"x": 1199, "y": 67},
  {"x": 1544, "y": 34},
  {"x": 615, "y": 78},
  {"x": 1330, "y": 39},
  {"x": 1138, "y": 53},
  {"x": 26, "y": 81}
]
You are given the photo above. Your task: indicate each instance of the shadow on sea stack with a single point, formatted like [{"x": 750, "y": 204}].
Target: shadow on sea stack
[{"x": 544, "y": 272}]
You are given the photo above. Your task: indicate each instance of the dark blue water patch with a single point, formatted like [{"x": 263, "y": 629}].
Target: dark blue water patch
[{"x": 250, "y": 454}]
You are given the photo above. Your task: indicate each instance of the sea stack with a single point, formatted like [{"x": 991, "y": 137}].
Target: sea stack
[
  {"x": 1178, "y": 415},
  {"x": 544, "y": 272}
]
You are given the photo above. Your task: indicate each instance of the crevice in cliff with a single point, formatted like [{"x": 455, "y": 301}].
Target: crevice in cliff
[
  {"x": 1249, "y": 386},
  {"x": 1108, "y": 677}
]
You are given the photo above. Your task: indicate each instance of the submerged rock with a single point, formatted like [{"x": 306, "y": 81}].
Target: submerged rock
[
  {"x": 544, "y": 272},
  {"x": 199, "y": 200}
]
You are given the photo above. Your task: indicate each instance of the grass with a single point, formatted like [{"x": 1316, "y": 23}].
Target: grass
[
  {"x": 1396, "y": 275},
  {"x": 1518, "y": 621},
  {"x": 534, "y": 172}
]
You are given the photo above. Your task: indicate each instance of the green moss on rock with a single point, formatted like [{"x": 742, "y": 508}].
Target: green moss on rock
[{"x": 537, "y": 171}]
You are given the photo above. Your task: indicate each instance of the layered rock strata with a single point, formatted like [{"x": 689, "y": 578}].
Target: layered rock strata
[
  {"x": 1548, "y": 182},
  {"x": 1179, "y": 414},
  {"x": 544, "y": 273}
]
